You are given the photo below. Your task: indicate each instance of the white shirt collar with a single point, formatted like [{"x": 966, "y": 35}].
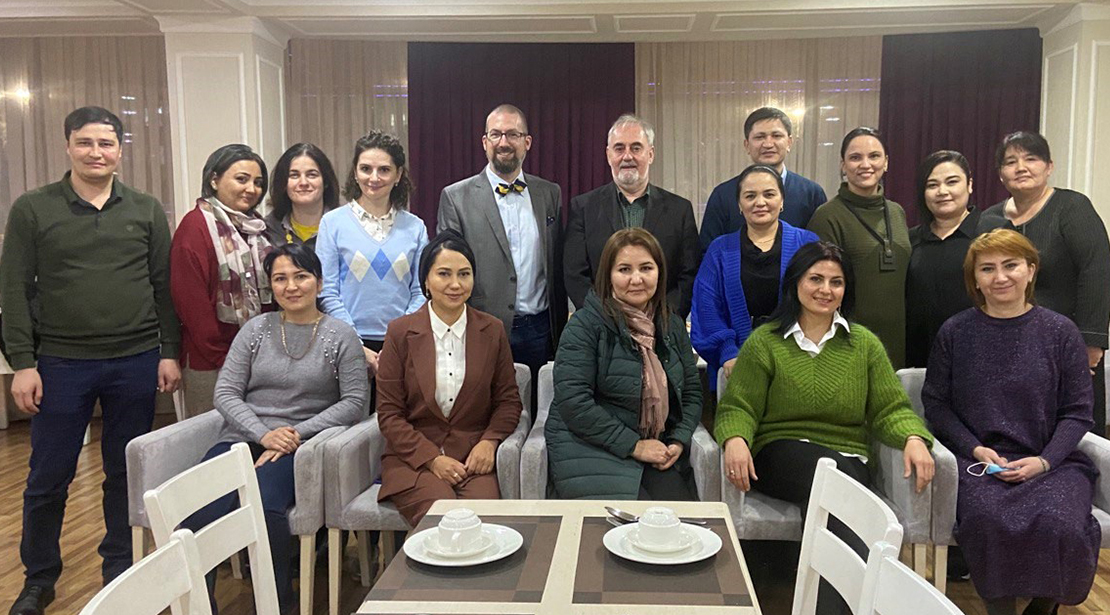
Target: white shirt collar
[
  {"x": 440, "y": 328},
  {"x": 494, "y": 179},
  {"x": 784, "y": 172},
  {"x": 807, "y": 344},
  {"x": 365, "y": 215}
]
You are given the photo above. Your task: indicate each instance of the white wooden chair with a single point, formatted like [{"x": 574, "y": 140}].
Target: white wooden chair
[
  {"x": 169, "y": 577},
  {"x": 891, "y": 588},
  {"x": 244, "y": 528},
  {"x": 823, "y": 555}
]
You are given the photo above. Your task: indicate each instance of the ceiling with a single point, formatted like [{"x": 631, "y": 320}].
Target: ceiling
[{"x": 536, "y": 20}]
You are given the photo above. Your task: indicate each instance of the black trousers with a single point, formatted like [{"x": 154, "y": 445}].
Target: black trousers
[
  {"x": 376, "y": 346},
  {"x": 672, "y": 484},
  {"x": 785, "y": 469},
  {"x": 1099, "y": 408}
]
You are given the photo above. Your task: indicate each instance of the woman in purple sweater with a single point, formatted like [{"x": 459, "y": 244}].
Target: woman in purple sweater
[{"x": 1008, "y": 385}]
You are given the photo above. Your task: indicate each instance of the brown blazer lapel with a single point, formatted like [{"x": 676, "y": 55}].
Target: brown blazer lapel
[
  {"x": 422, "y": 349},
  {"x": 478, "y": 360}
]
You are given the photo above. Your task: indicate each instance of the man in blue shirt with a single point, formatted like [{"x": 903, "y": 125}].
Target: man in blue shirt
[{"x": 767, "y": 139}]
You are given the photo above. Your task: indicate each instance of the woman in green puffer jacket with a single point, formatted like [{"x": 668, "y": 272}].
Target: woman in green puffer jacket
[{"x": 627, "y": 392}]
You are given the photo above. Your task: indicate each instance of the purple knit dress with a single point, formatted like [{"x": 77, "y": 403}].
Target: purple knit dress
[{"x": 1020, "y": 386}]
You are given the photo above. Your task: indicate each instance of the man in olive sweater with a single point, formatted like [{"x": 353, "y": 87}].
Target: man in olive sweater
[{"x": 84, "y": 276}]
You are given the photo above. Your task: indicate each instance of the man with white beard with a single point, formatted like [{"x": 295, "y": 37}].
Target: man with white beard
[{"x": 631, "y": 200}]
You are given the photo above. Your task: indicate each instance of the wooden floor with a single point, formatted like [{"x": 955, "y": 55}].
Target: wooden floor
[{"x": 84, "y": 528}]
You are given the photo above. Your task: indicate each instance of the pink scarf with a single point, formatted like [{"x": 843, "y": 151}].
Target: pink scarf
[
  {"x": 654, "y": 403},
  {"x": 241, "y": 246}
]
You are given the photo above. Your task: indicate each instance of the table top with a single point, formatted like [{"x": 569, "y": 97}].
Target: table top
[{"x": 563, "y": 568}]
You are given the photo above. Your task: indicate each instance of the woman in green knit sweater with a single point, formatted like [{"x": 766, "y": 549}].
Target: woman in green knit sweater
[{"x": 809, "y": 385}]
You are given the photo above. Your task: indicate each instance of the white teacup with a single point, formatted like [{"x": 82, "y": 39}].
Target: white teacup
[
  {"x": 460, "y": 531},
  {"x": 659, "y": 528}
]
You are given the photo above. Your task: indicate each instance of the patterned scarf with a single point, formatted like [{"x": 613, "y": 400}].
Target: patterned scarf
[
  {"x": 654, "y": 403},
  {"x": 240, "y": 242}
]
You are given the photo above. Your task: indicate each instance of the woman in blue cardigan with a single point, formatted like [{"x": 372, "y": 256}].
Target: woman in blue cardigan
[{"x": 737, "y": 286}]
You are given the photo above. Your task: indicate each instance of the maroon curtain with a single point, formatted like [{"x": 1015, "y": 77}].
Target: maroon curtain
[
  {"x": 570, "y": 93},
  {"x": 961, "y": 91}
]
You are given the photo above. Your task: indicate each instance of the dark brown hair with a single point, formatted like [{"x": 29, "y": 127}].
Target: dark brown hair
[
  {"x": 603, "y": 283},
  {"x": 376, "y": 139}
]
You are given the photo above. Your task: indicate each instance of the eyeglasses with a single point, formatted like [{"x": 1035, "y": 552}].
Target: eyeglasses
[{"x": 513, "y": 136}]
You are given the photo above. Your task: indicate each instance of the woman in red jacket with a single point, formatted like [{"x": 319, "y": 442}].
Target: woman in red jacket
[{"x": 216, "y": 276}]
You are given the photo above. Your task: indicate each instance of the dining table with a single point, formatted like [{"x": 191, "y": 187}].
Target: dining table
[{"x": 563, "y": 568}]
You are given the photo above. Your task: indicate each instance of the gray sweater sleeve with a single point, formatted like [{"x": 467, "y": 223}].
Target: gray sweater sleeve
[
  {"x": 231, "y": 385},
  {"x": 351, "y": 370}
]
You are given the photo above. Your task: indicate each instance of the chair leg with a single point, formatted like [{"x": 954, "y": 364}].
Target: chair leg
[
  {"x": 940, "y": 568},
  {"x": 334, "y": 560},
  {"x": 138, "y": 544},
  {"x": 237, "y": 565},
  {"x": 388, "y": 547},
  {"x": 364, "y": 557},
  {"x": 308, "y": 571},
  {"x": 920, "y": 560}
]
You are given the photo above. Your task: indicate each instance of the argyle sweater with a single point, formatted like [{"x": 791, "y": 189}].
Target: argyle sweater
[
  {"x": 842, "y": 399},
  {"x": 369, "y": 283}
]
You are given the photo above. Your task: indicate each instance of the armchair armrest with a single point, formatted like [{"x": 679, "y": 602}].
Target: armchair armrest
[
  {"x": 155, "y": 457},
  {"x": 508, "y": 459},
  {"x": 350, "y": 466},
  {"x": 705, "y": 457},
  {"x": 307, "y": 514},
  {"x": 1098, "y": 449},
  {"x": 735, "y": 499},
  {"x": 533, "y": 462},
  {"x": 914, "y": 509},
  {"x": 946, "y": 481}
]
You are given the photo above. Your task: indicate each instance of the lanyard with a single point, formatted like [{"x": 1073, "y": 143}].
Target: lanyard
[{"x": 886, "y": 258}]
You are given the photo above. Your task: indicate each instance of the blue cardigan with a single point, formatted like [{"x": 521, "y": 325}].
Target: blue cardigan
[
  {"x": 801, "y": 197},
  {"x": 719, "y": 320}
]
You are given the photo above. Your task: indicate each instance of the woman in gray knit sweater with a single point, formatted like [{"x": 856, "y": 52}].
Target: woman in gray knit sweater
[{"x": 288, "y": 375}]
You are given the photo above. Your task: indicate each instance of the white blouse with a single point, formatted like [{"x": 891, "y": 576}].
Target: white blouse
[{"x": 450, "y": 359}]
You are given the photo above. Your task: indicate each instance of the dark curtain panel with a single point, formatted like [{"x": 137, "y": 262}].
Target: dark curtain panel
[
  {"x": 570, "y": 93},
  {"x": 961, "y": 91}
]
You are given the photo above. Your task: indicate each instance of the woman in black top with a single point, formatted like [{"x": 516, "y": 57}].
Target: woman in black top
[
  {"x": 934, "y": 282},
  {"x": 1074, "y": 277}
]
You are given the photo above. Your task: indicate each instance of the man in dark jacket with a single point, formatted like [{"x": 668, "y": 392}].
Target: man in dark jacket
[{"x": 630, "y": 200}]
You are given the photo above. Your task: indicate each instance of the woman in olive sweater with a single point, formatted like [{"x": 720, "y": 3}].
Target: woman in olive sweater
[{"x": 627, "y": 393}]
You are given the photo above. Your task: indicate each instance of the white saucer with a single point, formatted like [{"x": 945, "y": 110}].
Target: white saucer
[
  {"x": 705, "y": 544},
  {"x": 433, "y": 546},
  {"x": 685, "y": 541},
  {"x": 504, "y": 541}
]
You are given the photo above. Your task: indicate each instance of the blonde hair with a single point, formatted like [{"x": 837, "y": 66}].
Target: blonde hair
[{"x": 1001, "y": 241}]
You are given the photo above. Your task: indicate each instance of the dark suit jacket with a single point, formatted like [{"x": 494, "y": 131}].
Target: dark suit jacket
[
  {"x": 469, "y": 208},
  {"x": 596, "y": 215},
  {"x": 487, "y": 408}
]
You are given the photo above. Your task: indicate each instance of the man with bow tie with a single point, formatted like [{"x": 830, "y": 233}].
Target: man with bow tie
[{"x": 513, "y": 222}]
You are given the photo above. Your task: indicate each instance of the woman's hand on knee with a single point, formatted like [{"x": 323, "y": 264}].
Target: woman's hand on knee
[
  {"x": 674, "y": 451},
  {"x": 739, "y": 465},
  {"x": 918, "y": 460},
  {"x": 650, "y": 451},
  {"x": 267, "y": 456},
  {"x": 1023, "y": 469},
  {"x": 481, "y": 457},
  {"x": 284, "y": 439},
  {"x": 447, "y": 469}
]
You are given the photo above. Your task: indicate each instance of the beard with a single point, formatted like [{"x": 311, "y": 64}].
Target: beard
[
  {"x": 506, "y": 166},
  {"x": 628, "y": 178}
]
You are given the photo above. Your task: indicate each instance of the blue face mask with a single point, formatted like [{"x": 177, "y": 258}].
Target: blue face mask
[{"x": 987, "y": 468}]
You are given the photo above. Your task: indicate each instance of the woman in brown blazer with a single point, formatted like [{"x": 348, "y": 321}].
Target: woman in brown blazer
[{"x": 447, "y": 393}]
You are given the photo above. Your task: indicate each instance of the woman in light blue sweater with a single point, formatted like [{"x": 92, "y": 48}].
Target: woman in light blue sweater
[{"x": 370, "y": 247}]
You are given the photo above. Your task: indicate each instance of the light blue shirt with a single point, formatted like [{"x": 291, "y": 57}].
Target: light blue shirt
[{"x": 519, "y": 221}]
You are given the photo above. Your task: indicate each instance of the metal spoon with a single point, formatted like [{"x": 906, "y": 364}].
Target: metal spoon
[{"x": 628, "y": 517}]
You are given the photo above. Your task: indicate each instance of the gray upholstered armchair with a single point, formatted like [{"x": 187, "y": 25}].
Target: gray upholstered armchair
[
  {"x": 352, "y": 465},
  {"x": 159, "y": 455}
]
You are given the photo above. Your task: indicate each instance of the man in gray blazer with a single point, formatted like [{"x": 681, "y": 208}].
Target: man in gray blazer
[{"x": 513, "y": 222}]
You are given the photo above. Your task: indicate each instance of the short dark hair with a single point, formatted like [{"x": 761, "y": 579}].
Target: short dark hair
[
  {"x": 376, "y": 139},
  {"x": 759, "y": 168},
  {"x": 222, "y": 159},
  {"x": 767, "y": 113},
  {"x": 1031, "y": 142},
  {"x": 862, "y": 131},
  {"x": 925, "y": 169},
  {"x": 444, "y": 240},
  {"x": 303, "y": 257},
  {"x": 79, "y": 118},
  {"x": 279, "y": 193},
  {"x": 790, "y": 306}
]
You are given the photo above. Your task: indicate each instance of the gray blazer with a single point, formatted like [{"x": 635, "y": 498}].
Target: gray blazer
[{"x": 468, "y": 207}]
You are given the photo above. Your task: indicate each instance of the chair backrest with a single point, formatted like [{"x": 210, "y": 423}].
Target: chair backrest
[
  {"x": 244, "y": 528},
  {"x": 722, "y": 383},
  {"x": 892, "y": 588},
  {"x": 824, "y": 555},
  {"x": 524, "y": 385},
  {"x": 169, "y": 577},
  {"x": 545, "y": 394},
  {"x": 913, "y": 380}
]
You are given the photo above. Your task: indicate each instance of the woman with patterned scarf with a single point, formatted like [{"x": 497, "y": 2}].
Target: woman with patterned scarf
[
  {"x": 627, "y": 392},
  {"x": 216, "y": 276}
]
